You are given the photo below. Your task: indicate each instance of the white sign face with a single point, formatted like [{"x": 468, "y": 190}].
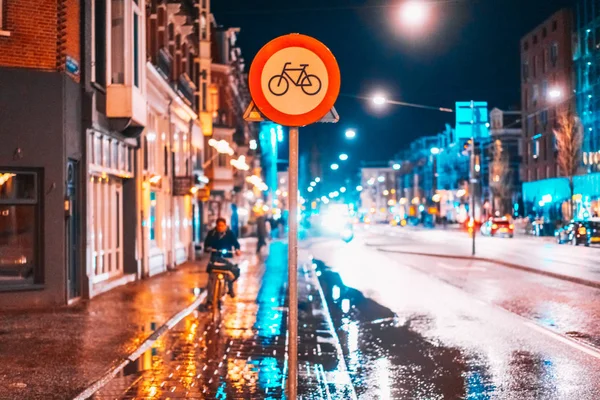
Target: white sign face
[{"x": 294, "y": 80}]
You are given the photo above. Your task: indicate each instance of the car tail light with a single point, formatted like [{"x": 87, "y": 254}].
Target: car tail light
[
  {"x": 511, "y": 226},
  {"x": 582, "y": 230},
  {"x": 494, "y": 226}
]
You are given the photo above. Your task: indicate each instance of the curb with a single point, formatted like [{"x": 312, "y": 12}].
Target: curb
[
  {"x": 338, "y": 346},
  {"x": 573, "y": 279},
  {"x": 144, "y": 346}
]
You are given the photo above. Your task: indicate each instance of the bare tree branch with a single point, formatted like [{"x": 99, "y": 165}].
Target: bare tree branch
[
  {"x": 569, "y": 138},
  {"x": 500, "y": 177}
]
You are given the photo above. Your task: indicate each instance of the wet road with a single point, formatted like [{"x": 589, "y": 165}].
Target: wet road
[
  {"x": 537, "y": 253},
  {"x": 417, "y": 327}
]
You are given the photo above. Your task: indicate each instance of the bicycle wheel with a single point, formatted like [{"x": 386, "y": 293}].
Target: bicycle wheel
[
  {"x": 311, "y": 85},
  {"x": 216, "y": 307},
  {"x": 279, "y": 85}
]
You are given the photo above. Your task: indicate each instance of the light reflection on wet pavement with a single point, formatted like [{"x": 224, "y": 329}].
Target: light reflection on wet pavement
[
  {"x": 244, "y": 355},
  {"x": 407, "y": 335}
]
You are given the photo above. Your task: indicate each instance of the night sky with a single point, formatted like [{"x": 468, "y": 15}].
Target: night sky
[{"x": 469, "y": 50}]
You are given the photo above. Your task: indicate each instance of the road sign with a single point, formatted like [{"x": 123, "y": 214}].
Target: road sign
[
  {"x": 294, "y": 80},
  {"x": 471, "y": 120}
]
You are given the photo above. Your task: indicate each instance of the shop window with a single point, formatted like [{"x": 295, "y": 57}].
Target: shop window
[
  {"x": 19, "y": 227},
  {"x": 152, "y": 218}
]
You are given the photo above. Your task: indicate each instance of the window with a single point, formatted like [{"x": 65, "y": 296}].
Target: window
[
  {"x": 534, "y": 66},
  {"x": 99, "y": 40},
  {"x": 544, "y": 119},
  {"x": 166, "y": 160},
  {"x": 544, "y": 89},
  {"x": 526, "y": 45},
  {"x": 203, "y": 26},
  {"x": 204, "y": 94},
  {"x": 554, "y": 54},
  {"x": 525, "y": 70},
  {"x": 535, "y": 94},
  {"x": 544, "y": 32},
  {"x": 152, "y": 218},
  {"x": 136, "y": 49},
  {"x": 536, "y": 148},
  {"x": 19, "y": 227},
  {"x": 118, "y": 42},
  {"x": 535, "y": 39},
  {"x": 554, "y": 26},
  {"x": 545, "y": 58}
]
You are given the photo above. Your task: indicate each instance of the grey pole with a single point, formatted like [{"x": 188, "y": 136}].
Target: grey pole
[
  {"x": 473, "y": 179},
  {"x": 293, "y": 266}
]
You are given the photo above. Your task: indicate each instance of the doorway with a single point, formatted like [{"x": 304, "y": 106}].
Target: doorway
[{"x": 72, "y": 230}]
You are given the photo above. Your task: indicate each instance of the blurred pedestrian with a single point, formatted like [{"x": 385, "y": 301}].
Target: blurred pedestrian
[{"x": 261, "y": 232}]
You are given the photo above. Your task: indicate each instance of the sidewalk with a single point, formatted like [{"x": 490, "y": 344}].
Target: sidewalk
[
  {"x": 574, "y": 264},
  {"x": 56, "y": 354},
  {"x": 244, "y": 356}
]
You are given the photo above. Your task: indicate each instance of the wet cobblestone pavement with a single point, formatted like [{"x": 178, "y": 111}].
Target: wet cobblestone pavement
[
  {"x": 244, "y": 355},
  {"x": 57, "y": 353}
]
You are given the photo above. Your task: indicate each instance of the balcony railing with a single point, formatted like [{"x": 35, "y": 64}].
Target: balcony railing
[
  {"x": 187, "y": 89},
  {"x": 165, "y": 63}
]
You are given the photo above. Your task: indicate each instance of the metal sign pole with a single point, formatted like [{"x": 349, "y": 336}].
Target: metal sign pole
[{"x": 293, "y": 266}]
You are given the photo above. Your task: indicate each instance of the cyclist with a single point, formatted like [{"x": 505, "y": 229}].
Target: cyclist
[{"x": 221, "y": 238}]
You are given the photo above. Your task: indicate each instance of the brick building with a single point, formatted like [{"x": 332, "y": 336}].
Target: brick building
[
  {"x": 40, "y": 126},
  {"x": 546, "y": 80}
]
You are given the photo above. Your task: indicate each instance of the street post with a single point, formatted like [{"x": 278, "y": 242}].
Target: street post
[{"x": 294, "y": 81}]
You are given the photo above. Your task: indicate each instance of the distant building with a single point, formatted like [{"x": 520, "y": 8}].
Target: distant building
[
  {"x": 505, "y": 132},
  {"x": 546, "y": 74},
  {"x": 379, "y": 196}
]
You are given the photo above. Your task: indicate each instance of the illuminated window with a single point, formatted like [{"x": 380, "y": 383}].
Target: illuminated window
[
  {"x": 536, "y": 147},
  {"x": 19, "y": 227},
  {"x": 152, "y": 218}
]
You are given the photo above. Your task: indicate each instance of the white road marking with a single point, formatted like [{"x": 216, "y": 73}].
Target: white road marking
[
  {"x": 589, "y": 350},
  {"x": 452, "y": 268}
]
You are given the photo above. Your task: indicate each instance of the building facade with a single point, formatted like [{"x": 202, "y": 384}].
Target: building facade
[
  {"x": 546, "y": 81},
  {"x": 41, "y": 156}
]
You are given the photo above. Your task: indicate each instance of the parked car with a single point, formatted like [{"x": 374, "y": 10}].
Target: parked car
[
  {"x": 498, "y": 227},
  {"x": 595, "y": 227},
  {"x": 575, "y": 233}
]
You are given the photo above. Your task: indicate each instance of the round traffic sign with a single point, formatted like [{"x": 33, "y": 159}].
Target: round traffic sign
[{"x": 294, "y": 80}]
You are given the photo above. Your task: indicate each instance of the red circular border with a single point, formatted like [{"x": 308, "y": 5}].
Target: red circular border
[{"x": 280, "y": 43}]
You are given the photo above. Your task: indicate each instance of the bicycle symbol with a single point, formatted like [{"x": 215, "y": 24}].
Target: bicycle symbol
[{"x": 280, "y": 84}]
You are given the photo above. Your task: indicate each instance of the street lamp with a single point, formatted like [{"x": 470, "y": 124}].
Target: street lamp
[
  {"x": 310, "y": 189},
  {"x": 240, "y": 163},
  {"x": 335, "y": 166},
  {"x": 435, "y": 151},
  {"x": 396, "y": 166},
  {"x": 350, "y": 134},
  {"x": 359, "y": 188},
  {"x": 317, "y": 179},
  {"x": 343, "y": 157},
  {"x": 313, "y": 184},
  {"x": 342, "y": 190}
]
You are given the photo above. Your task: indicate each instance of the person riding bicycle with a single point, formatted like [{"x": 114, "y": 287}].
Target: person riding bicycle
[{"x": 222, "y": 238}]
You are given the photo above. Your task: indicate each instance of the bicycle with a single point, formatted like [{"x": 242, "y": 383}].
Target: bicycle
[
  {"x": 220, "y": 274},
  {"x": 304, "y": 81}
]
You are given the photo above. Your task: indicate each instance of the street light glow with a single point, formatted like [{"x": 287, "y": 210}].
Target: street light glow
[
  {"x": 381, "y": 179},
  {"x": 396, "y": 166},
  {"x": 342, "y": 190},
  {"x": 335, "y": 166},
  {"x": 435, "y": 151},
  {"x": 415, "y": 13},
  {"x": 343, "y": 157},
  {"x": 554, "y": 94},
  {"x": 359, "y": 188},
  {"x": 379, "y": 100},
  {"x": 310, "y": 189},
  {"x": 317, "y": 179},
  {"x": 350, "y": 133},
  {"x": 313, "y": 184}
]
